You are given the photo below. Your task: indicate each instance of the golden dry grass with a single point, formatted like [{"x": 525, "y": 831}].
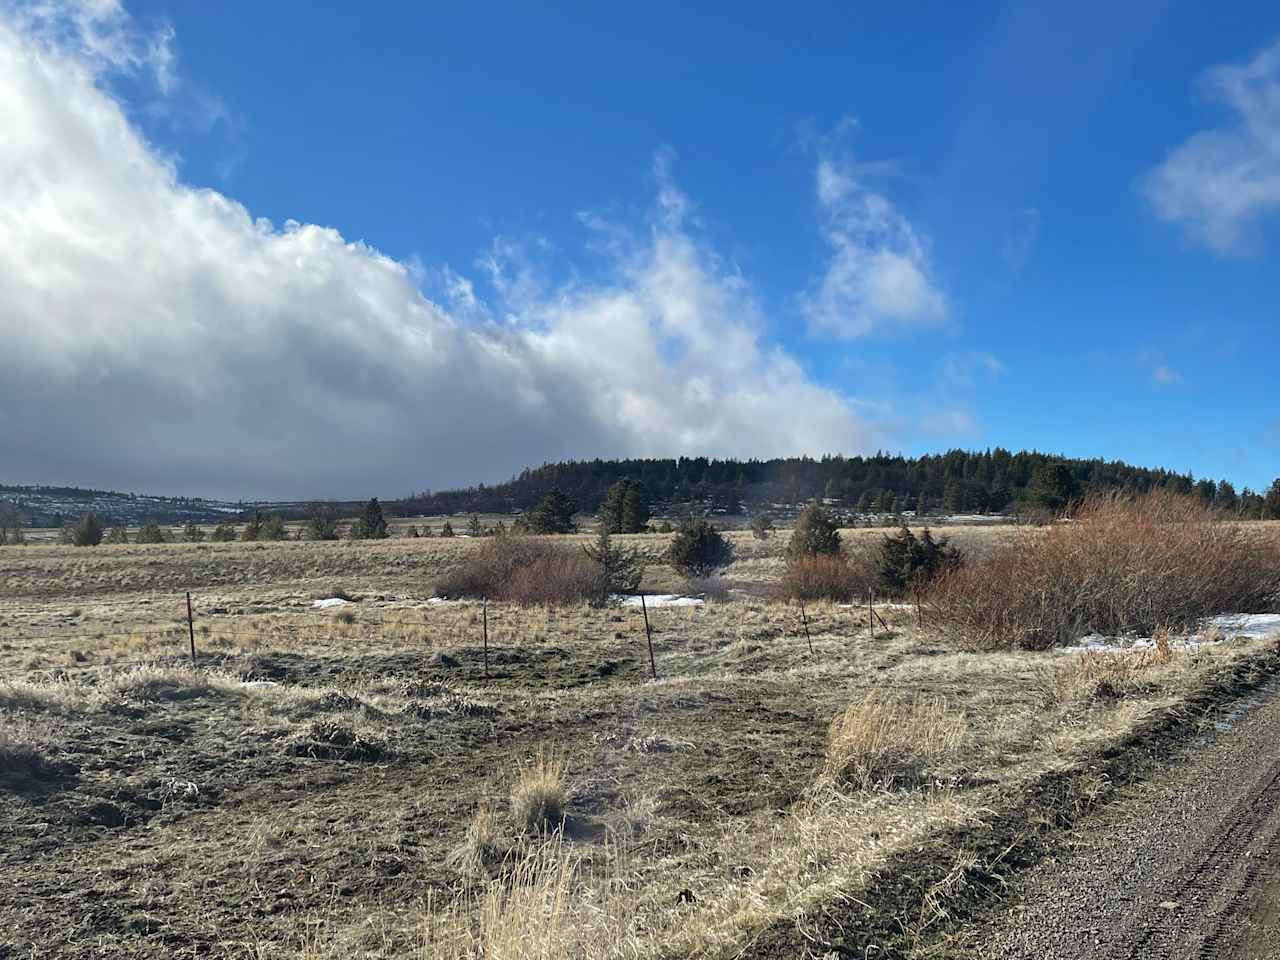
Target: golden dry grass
[{"x": 877, "y": 741}]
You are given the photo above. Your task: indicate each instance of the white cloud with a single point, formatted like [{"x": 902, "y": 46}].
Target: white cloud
[
  {"x": 1165, "y": 375},
  {"x": 157, "y": 335},
  {"x": 879, "y": 274},
  {"x": 1222, "y": 181}
]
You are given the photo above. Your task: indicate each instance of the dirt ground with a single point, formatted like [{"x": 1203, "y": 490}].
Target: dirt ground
[
  {"x": 1187, "y": 865},
  {"x": 311, "y": 787}
]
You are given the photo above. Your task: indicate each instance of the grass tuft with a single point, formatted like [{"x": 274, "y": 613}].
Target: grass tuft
[
  {"x": 539, "y": 796},
  {"x": 881, "y": 742}
]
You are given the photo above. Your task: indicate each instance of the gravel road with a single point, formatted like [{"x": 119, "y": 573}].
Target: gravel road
[{"x": 1187, "y": 867}]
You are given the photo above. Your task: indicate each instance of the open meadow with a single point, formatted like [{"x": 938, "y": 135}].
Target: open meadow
[{"x": 365, "y": 779}]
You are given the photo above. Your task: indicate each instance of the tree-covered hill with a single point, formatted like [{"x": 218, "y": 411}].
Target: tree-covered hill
[{"x": 958, "y": 481}]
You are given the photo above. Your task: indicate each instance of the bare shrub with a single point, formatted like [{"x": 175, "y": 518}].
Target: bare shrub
[
  {"x": 525, "y": 570},
  {"x": 539, "y": 796},
  {"x": 831, "y": 577},
  {"x": 881, "y": 742},
  {"x": 1124, "y": 565}
]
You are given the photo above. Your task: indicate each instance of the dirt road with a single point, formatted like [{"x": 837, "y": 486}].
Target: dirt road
[{"x": 1187, "y": 867}]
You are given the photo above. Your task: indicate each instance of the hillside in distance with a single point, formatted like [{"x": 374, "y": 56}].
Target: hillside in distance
[{"x": 955, "y": 482}]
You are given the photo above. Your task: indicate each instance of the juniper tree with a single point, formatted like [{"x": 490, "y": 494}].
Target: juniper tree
[
  {"x": 473, "y": 527},
  {"x": 447, "y": 529},
  {"x": 815, "y": 534}
]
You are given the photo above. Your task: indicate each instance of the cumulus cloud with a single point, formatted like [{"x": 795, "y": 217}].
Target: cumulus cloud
[
  {"x": 157, "y": 335},
  {"x": 879, "y": 275},
  {"x": 1222, "y": 181}
]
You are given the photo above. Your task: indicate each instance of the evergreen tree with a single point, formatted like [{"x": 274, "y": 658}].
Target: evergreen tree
[
  {"x": 152, "y": 532},
  {"x": 273, "y": 528},
  {"x": 698, "y": 550},
  {"x": 412, "y": 532},
  {"x": 224, "y": 532},
  {"x": 1052, "y": 487},
  {"x": 815, "y": 534},
  {"x": 192, "y": 533},
  {"x": 473, "y": 527},
  {"x": 447, "y": 529},
  {"x": 761, "y": 525},
  {"x": 321, "y": 528},
  {"x": 1224, "y": 498},
  {"x": 621, "y": 570},
  {"x": 88, "y": 532},
  {"x": 553, "y": 515},
  {"x": 1271, "y": 502},
  {"x": 906, "y": 560},
  {"x": 625, "y": 508},
  {"x": 253, "y": 529},
  {"x": 372, "y": 525},
  {"x": 866, "y": 502},
  {"x": 116, "y": 535}
]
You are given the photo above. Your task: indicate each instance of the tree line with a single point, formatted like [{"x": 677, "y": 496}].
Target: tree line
[{"x": 958, "y": 481}]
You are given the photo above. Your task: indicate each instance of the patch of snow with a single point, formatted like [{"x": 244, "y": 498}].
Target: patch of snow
[
  {"x": 258, "y": 684},
  {"x": 435, "y": 600},
  {"x": 330, "y": 602},
  {"x": 658, "y": 600},
  {"x": 1228, "y": 626}
]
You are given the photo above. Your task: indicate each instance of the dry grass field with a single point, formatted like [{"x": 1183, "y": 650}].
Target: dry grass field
[{"x": 348, "y": 782}]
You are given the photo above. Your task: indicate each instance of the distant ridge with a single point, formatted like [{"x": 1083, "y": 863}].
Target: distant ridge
[{"x": 954, "y": 482}]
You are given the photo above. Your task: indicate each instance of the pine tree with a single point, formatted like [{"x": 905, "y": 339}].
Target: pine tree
[
  {"x": 554, "y": 514},
  {"x": 88, "y": 532},
  {"x": 116, "y": 535},
  {"x": 625, "y": 508},
  {"x": 192, "y": 533},
  {"x": 621, "y": 570},
  {"x": 447, "y": 529},
  {"x": 698, "y": 550},
  {"x": 273, "y": 528},
  {"x": 1271, "y": 502},
  {"x": 473, "y": 527},
  {"x": 1052, "y": 487},
  {"x": 372, "y": 525}
]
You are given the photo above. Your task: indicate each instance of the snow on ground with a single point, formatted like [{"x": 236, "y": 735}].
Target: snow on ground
[
  {"x": 658, "y": 600},
  {"x": 1228, "y": 626},
  {"x": 330, "y": 602}
]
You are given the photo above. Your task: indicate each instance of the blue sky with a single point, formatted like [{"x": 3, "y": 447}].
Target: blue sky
[{"x": 1059, "y": 223}]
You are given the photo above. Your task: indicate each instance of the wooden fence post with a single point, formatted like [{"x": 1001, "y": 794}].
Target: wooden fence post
[
  {"x": 805, "y": 621},
  {"x": 484, "y": 619},
  {"x": 191, "y": 630},
  {"x": 648, "y": 636}
]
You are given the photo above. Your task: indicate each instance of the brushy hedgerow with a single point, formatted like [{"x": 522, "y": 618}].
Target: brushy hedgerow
[
  {"x": 526, "y": 570},
  {"x": 881, "y": 742},
  {"x": 1123, "y": 565}
]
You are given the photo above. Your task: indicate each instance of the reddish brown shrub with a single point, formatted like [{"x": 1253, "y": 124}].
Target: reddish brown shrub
[
  {"x": 1123, "y": 565},
  {"x": 831, "y": 577},
  {"x": 527, "y": 570}
]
